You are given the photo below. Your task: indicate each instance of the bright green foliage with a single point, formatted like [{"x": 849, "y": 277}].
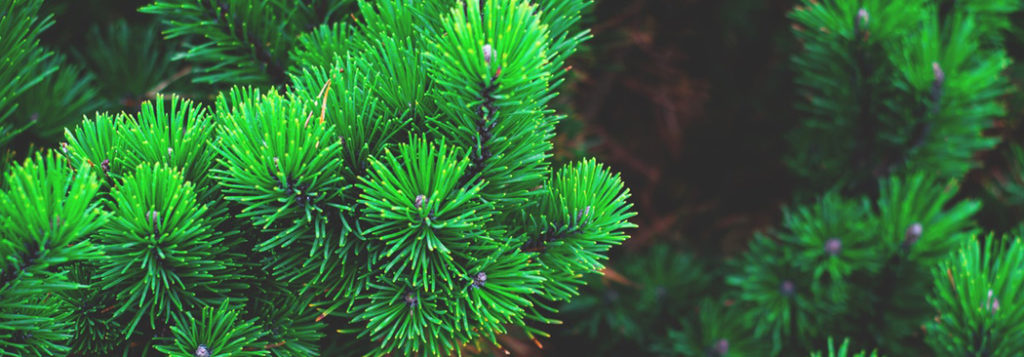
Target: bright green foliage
[
  {"x": 46, "y": 211},
  {"x": 176, "y": 136},
  {"x": 393, "y": 191},
  {"x": 321, "y": 46},
  {"x": 285, "y": 170},
  {"x": 583, "y": 214},
  {"x": 164, "y": 254},
  {"x": 219, "y": 331},
  {"x": 977, "y": 297},
  {"x": 842, "y": 351},
  {"x": 173, "y": 132},
  {"x": 364, "y": 124},
  {"x": 492, "y": 89},
  {"x": 425, "y": 220},
  {"x": 895, "y": 86},
  {"x": 846, "y": 259}
]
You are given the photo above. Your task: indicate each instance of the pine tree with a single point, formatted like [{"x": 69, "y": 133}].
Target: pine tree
[
  {"x": 879, "y": 247},
  {"x": 895, "y": 87},
  {"x": 371, "y": 178}
]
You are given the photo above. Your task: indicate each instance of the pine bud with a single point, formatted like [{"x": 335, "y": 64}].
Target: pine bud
[
  {"x": 833, "y": 246},
  {"x": 940, "y": 78},
  {"x": 420, "y": 199},
  {"x": 170, "y": 153},
  {"x": 721, "y": 348},
  {"x": 913, "y": 234},
  {"x": 155, "y": 217},
  {"x": 479, "y": 280},
  {"x": 409, "y": 299},
  {"x": 787, "y": 288},
  {"x": 862, "y": 19},
  {"x": 992, "y": 304},
  {"x": 105, "y": 165},
  {"x": 202, "y": 351},
  {"x": 488, "y": 53},
  {"x": 582, "y": 214}
]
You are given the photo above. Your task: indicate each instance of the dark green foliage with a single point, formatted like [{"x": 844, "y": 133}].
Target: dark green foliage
[
  {"x": 717, "y": 330},
  {"x": 131, "y": 62},
  {"x": 901, "y": 93},
  {"x": 642, "y": 297},
  {"x": 290, "y": 325},
  {"x": 893, "y": 87},
  {"x": 776, "y": 296},
  {"x": 95, "y": 330},
  {"x": 1005, "y": 191},
  {"x": 22, "y": 58},
  {"x": 41, "y": 92},
  {"x": 56, "y": 100},
  {"x": 800, "y": 286},
  {"x": 842, "y": 351},
  {"x": 977, "y": 294}
]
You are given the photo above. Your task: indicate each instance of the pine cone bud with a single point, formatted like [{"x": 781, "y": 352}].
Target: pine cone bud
[
  {"x": 409, "y": 299},
  {"x": 940, "y": 78},
  {"x": 583, "y": 213},
  {"x": 833, "y": 246},
  {"x": 105, "y": 165},
  {"x": 861, "y": 21},
  {"x": 721, "y": 348},
  {"x": 787, "y": 288},
  {"x": 479, "y": 280},
  {"x": 418, "y": 202},
  {"x": 488, "y": 53},
  {"x": 202, "y": 351},
  {"x": 155, "y": 217},
  {"x": 993, "y": 303},
  {"x": 913, "y": 234}
]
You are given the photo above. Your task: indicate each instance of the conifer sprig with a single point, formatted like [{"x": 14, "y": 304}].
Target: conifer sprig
[{"x": 390, "y": 190}]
